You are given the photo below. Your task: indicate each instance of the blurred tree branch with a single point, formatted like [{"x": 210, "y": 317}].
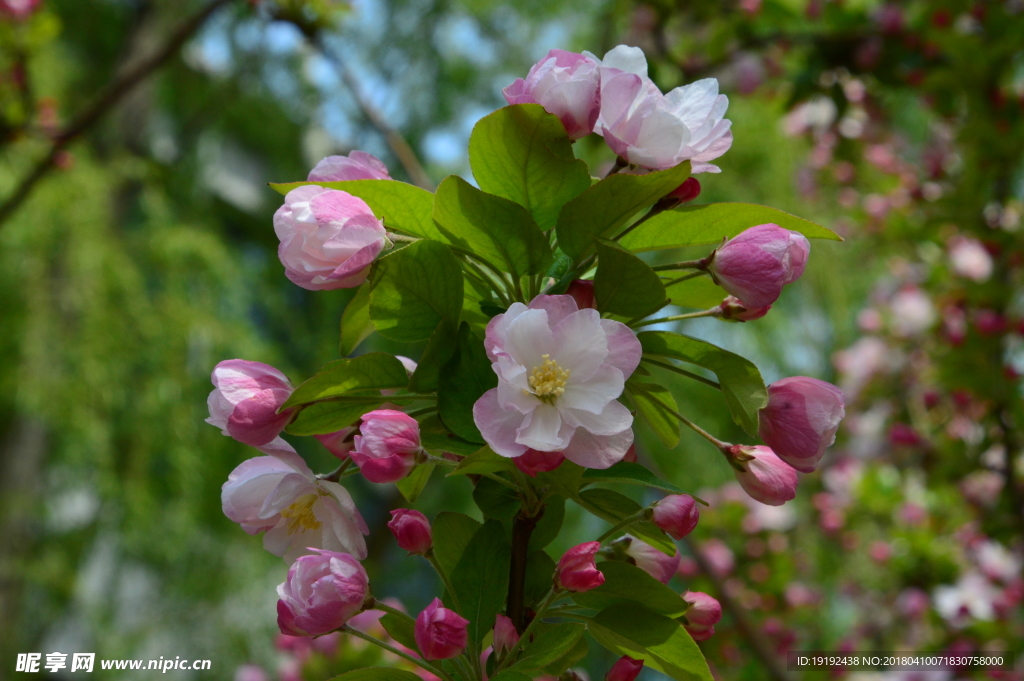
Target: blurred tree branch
[{"x": 111, "y": 95}]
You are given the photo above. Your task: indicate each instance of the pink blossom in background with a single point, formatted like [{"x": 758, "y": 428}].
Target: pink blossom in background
[
  {"x": 411, "y": 530},
  {"x": 387, "y": 446},
  {"x": 279, "y": 495},
  {"x": 250, "y": 672},
  {"x": 755, "y": 264},
  {"x": 576, "y": 570},
  {"x": 763, "y": 475},
  {"x": 245, "y": 400},
  {"x": 801, "y": 420},
  {"x": 321, "y": 593},
  {"x": 719, "y": 557},
  {"x": 560, "y": 371},
  {"x": 18, "y": 9},
  {"x": 329, "y": 238},
  {"x": 566, "y": 84},
  {"x": 649, "y": 559},
  {"x": 358, "y": 165},
  {"x": 440, "y": 632},
  {"x": 970, "y": 259},
  {"x": 912, "y": 312}
]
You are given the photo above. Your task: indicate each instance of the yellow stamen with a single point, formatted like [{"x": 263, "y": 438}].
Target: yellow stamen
[
  {"x": 547, "y": 381},
  {"x": 300, "y": 514}
]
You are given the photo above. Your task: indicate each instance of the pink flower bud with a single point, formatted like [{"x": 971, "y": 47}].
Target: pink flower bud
[
  {"x": 566, "y": 85},
  {"x": 677, "y": 515},
  {"x": 755, "y": 264},
  {"x": 329, "y": 238},
  {"x": 321, "y": 593},
  {"x": 250, "y": 672},
  {"x": 576, "y": 569},
  {"x": 801, "y": 420},
  {"x": 582, "y": 291},
  {"x": 386, "y": 448},
  {"x": 687, "y": 191},
  {"x": 245, "y": 401},
  {"x": 440, "y": 632},
  {"x": 338, "y": 443},
  {"x": 624, "y": 669},
  {"x": 505, "y": 634},
  {"x": 735, "y": 311},
  {"x": 534, "y": 461},
  {"x": 763, "y": 475},
  {"x": 702, "y": 616},
  {"x": 358, "y": 165},
  {"x": 630, "y": 454},
  {"x": 649, "y": 559},
  {"x": 411, "y": 530}
]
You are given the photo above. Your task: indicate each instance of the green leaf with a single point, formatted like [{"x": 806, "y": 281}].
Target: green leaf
[
  {"x": 372, "y": 371},
  {"x": 439, "y": 350},
  {"x": 742, "y": 385},
  {"x": 436, "y": 438},
  {"x": 710, "y": 223},
  {"x": 624, "y": 284},
  {"x": 699, "y": 293},
  {"x": 523, "y": 154},
  {"x": 540, "y": 570},
  {"x": 483, "y": 460},
  {"x": 355, "y": 321},
  {"x": 661, "y": 642},
  {"x": 496, "y": 500},
  {"x": 464, "y": 379},
  {"x": 549, "y": 524},
  {"x": 402, "y": 207},
  {"x": 494, "y": 229},
  {"x": 413, "y": 289},
  {"x": 509, "y": 675},
  {"x": 564, "y": 480},
  {"x": 549, "y": 646},
  {"x": 451, "y": 533},
  {"x": 575, "y": 654},
  {"x": 625, "y": 583},
  {"x": 377, "y": 674},
  {"x": 631, "y": 474},
  {"x": 332, "y": 415},
  {"x": 603, "y": 209},
  {"x": 613, "y": 507},
  {"x": 480, "y": 579},
  {"x": 648, "y": 399},
  {"x": 411, "y": 486},
  {"x": 401, "y": 629}
]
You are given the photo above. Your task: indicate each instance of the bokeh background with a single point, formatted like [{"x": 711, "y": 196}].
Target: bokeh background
[{"x": 139, "y": 252}]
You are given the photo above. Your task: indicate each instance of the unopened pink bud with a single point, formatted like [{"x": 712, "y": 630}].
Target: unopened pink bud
[
  {"x": 386, "y": 448},
  {"x": 582, "y": 291},
  {"x": 801, "y": 420},
  {"x": 566, "y": 85},
  {"x": 734, "y": 311},
  {"x": 763, "y": 475},
  {"x": 755, "y": 264},
  {"x": 440, "y": 632},
  {"x": 702, "y": 616},
  {"x": 535, "y": 461},
  {"x": 411, "y": 530},
  {"x": 576, "y": 569},
  {"x": 677, "y": 515},
  {"x": 322, "y": 592},
  {"x": 624, "y": 669},
  {"x": 687, "y": 191},
  {"x": 505, "y": 634},
  {"x": 338, "y": 443},
  {"x": 649, "y": 559},
  {"x": 630, "y": 454},
  {"x": 245, "y": 401}
]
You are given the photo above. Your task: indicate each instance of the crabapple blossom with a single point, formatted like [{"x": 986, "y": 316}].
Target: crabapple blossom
[
  {"x": 582, "y": 291},
  {"x": 801, "y": 420},
  {"x": 702, "y": 616},
  {"x": 358, "y": 165},
  {"x": 576, "y": 570},
  {"x": 278, "y": 494},
  {"x": 533, "y": 462},
  {"x": 566, "y": 84},
  {"x": 755, "y": 264},
  {"x": 649, "y": 559},
  {"x": 321, "y": 593},
  {"x": 624, "y": 669},
  {"x": 655, "y": 130},
  {"x": 762, "y": 474},
  {"x": 411, "y": 530},
  {"x": 560, "y": 370},
  {"x": 677, "y": 515},
  {"x": 440, "y": 632},
  {"x": 245, "y": 400},
  {"x": 970, "y": 259},
  {"x": 387, "y": 446},
  {"x": 328, "y": 237},
  {"x": 505, "y": 634},
  {"x": 687, "y": 191}
]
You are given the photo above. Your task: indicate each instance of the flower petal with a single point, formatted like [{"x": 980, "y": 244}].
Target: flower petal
[{"x": 598, "y": 451}]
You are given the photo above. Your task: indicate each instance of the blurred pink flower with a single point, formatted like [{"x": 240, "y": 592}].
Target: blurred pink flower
[{"x": 358, "y": 165}]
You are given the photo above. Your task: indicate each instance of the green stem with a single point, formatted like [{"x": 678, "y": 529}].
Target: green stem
[
  {"x": 525, "y": 636},
  {"x": 432, "y": 559},
  {"x": 623, "y": 524},
  {"x": 424, "y": 410},
  {"x": 501, "y": 480},
  {"x": 722, "y": 446},
  {"x": 391, "y": 649},
  {"x": 378, "y": 605},
  {"x": 441, "y": 461},
  {"x": 675, "y": 318},
  {"x": 682, "y": 372},
  {"x": 336, "y": 474},
  {"x": 655, "y": 210},
  {"x": 691, "y": 275},
  {"x": 684, "y": 265}
]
